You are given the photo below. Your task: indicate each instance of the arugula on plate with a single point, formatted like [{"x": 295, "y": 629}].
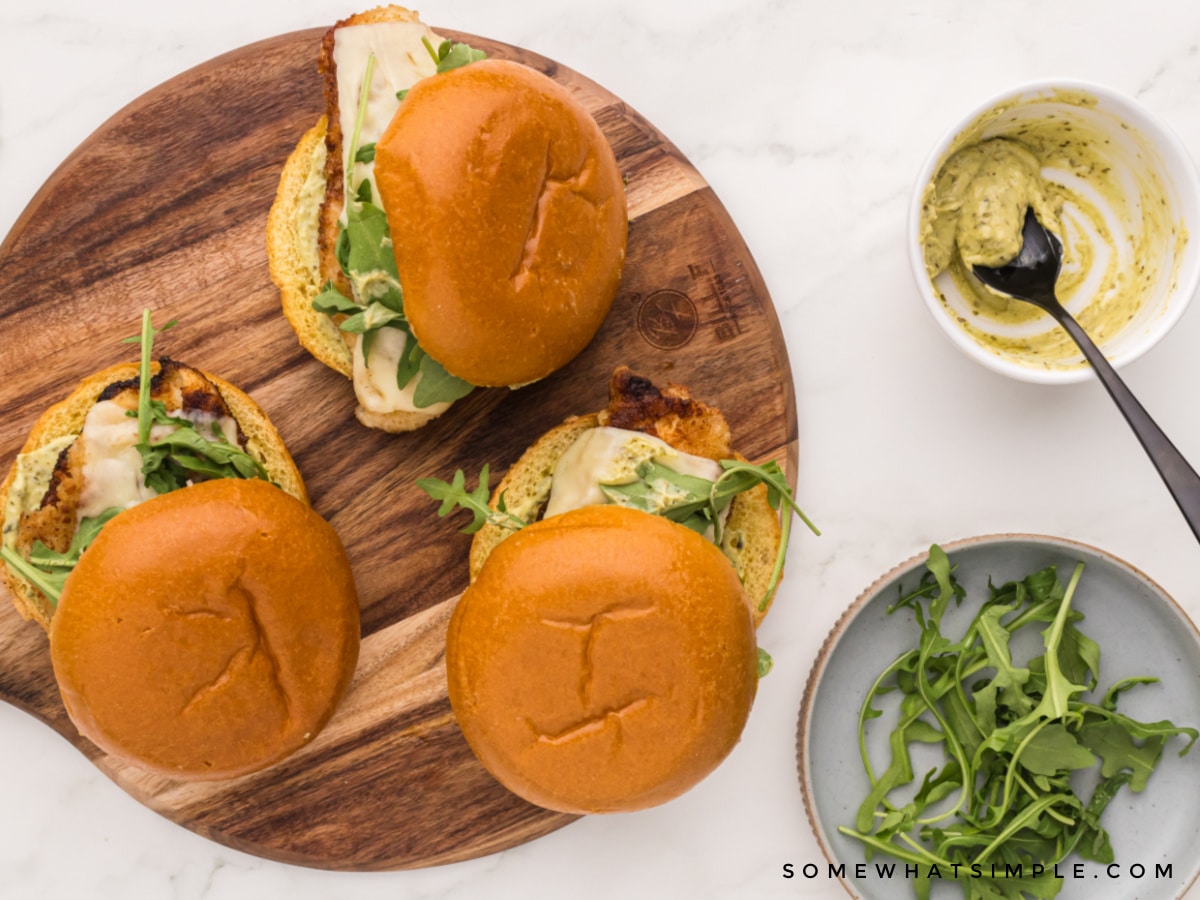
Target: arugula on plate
[{"x": 1012, "y": 734}]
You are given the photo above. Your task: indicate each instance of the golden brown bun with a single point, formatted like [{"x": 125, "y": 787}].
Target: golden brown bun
[
  {"x": 752, "y": 532},
  {"x": 604, "y": 660},
  {"x": 208, "y": 632},
  {"x": 66, "y": 418},
  {"x": 508, "y": 217}
]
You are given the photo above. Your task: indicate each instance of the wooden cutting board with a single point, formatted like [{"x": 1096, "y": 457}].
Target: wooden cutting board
[{"x": 165, "y": 206}]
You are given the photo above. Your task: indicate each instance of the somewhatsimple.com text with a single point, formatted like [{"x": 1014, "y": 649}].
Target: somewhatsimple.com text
[{"x": 891, "y": 870}]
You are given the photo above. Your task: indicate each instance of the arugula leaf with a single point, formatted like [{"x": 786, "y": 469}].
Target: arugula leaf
[
  {"x": 332, "y": 301},
  {"x": 1091, "y": 841},
  {"x": 1113, "y": 742},
  {"x": 765, "y": 663},
  {"x": 1054, "y": 749},
  {"x": 89, "y": 527},
  {"x": 1109, "y": 702},
  {"x": 47, "y": 569},
  {"x": 455, "y": 494},
  {"x": 182, "y": 455},
  {"x": 452, "y": 56},
  {"x": 661, "y": 491},
  {"x": 370, "y": 262},
  {"x": 436, "y": 384},
  {"x": 49, "y": 583},
  {"x": 410, "y": 361},
  {"x": 778, "y": 493},
  {"x": 1006, "y": 686},
  {"x": 359, "y": 117},
  {"x": 371, "y": 318},
  {"x": 146, "y": 340}
]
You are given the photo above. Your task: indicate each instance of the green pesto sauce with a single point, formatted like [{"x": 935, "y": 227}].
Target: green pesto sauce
[
  {"x": 31, "y": 477},
  {"x": 1109, "y": 210},
  {"x": 980, "y": 199}
]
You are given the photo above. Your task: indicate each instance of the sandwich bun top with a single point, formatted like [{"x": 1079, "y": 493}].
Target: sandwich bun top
[
  {"x": 208, "y": 632},
  {"x": 604, "y": 660},
  {"x": 508, "y": 220}
]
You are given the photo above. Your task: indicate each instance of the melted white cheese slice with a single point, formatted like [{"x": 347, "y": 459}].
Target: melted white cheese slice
[
  {"x": 375, "y": 378},
  {"x": 401, "y": 60},
  {"x": 112, "y": 466},
  {"x": 607, "y": 455}
]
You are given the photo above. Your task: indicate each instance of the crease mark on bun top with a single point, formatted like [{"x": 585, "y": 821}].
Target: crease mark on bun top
[
  {"x": 593, "y": 725},
  {"x": 576, "y": 185},
  {"x": 589, "y": 628},
  {"x": 241, "y": 597},
  {"x": 537, "y": 219},
  {"x": 237, "y": 660}
]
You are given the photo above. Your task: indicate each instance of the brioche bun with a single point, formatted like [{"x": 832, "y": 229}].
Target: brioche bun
[
  {"x": 66, "y": 418},
  {"x": 208, "y": 632},
  {"x": 604, "y": 660},
  {"x": 508, "y": 218}
]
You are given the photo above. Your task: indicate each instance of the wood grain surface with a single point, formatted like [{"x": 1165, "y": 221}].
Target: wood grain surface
[{"x": 165, "y": 207}]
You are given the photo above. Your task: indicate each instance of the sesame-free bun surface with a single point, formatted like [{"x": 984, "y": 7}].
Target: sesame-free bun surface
[
  {"x": 604, "y": 660},
  {"x": 208, "y": 632},
  {"x": 508, "y": 218}
]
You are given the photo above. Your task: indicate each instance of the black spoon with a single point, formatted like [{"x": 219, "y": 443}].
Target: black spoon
[{"x": 1031, "y": 277}]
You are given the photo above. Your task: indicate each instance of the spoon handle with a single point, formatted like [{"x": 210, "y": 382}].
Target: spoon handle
[{"x": 1181, "y": 479}]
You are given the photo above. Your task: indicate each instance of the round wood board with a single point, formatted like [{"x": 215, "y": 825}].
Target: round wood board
[{"x": 165, "y": 207}]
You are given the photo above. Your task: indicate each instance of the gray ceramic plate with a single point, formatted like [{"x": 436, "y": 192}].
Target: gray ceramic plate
[{"x": 1141, "y": 631}]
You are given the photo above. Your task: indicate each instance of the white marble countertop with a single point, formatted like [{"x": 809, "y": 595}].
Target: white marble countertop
[{"x": 810, "y": 121}]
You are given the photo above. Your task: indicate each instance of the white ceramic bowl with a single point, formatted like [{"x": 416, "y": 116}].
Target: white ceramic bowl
[{"x": 1135, "y": 140}]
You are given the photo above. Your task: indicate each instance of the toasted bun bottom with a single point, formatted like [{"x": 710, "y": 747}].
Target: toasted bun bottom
[
  {"x": 208, "y": 632},
  {"x": 66, "y": 418},
  {"x": 508, "y": 215},
  {"x": 604, "y": 660},
  {"x": 293, "y": 256}
]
